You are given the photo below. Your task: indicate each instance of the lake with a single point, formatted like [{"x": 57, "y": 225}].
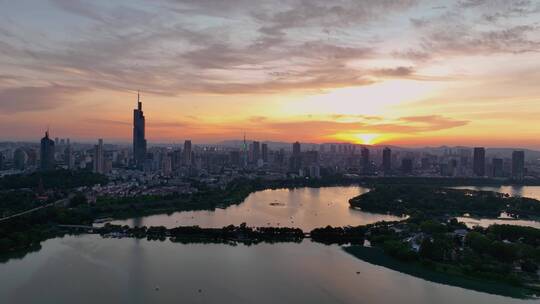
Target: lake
[
  {"x": 524, "y": 191},
  {"x": 89, "y": 269},
  {"x": 304, "y": 208}
]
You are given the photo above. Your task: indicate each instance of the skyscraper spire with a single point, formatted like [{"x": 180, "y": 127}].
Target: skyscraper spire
[{"x": 139, "y": 103}]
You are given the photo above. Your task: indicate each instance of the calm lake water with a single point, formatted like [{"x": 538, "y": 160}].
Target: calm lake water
[
  {"x": 89, "y": 269},
  {"x": 305, "y": 208},
  {"x": 524, "y": 191}
]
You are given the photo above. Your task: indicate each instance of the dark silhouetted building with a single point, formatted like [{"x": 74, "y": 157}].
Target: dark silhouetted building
[
  {"x": 280, "y": 157},
  {"x": 99, "y": 161},
  {"x": 387, "y": 160},
  {"x": 47, "y": 153},
  {"x": 255, "y": 151},
  {"x": 518, "y": 165},
  {"x": 497, "y": 165},
  {"x": 296, "y": 148},
  {"x": 479, "y": 161},
  {"x": 295, "y": 163},
  {"x": 139, "y": 139},
  {"x": 364, "y": 155},
  {"x": 188, "y": 153}
]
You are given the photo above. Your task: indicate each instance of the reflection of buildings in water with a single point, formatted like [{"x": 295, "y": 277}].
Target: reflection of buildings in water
[
  {"x": 137, "y": 222},
  {"x": 517, "y": 191},
  {"x": 315, "y": 192},
  {"x": 136, "y": 275}
]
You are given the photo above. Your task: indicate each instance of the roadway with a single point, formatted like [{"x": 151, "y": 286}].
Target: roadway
[{"x": 58, "y": 202}]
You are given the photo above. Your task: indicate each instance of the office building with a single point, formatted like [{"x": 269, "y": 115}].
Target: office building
[
  {"x": 387, "y": 160},
  {"x": 479, "y": 161},
  {"x": 99, "y": 162},
  {"x": 188, "y": 153},
  {"x": 296, "y": 148},
  {"x": 364, "y": 155},
  {"x": 47, "y": 153},
  {"x": 255, "y": 151},
  {"x": 518, "y": 165},
  {"x": 139, "y": 139}
]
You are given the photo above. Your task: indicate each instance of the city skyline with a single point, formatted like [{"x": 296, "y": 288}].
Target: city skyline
[{"x": 404, "y": 73}]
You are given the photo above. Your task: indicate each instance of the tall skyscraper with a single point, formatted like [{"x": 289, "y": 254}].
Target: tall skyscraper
[
  {"x": 244, "y": 152},
  {"x": 295, "y": 163},
  {"x": 139, "y": 140},
  {"x": 47, "y": 153},
  {"x": 99, "y": 162},
  {"x": 479, "y": 161},
  {"x": 296, "y": 148},
  {"x": 364, "y": 154},
  {"x": 188, "y": 154},
  {"x": 518, "y": 165},
  {"x": 256, "y": 151},
  {"x": 387, "y": 160}
]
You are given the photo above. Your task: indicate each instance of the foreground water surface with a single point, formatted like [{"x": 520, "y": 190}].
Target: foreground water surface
[{"x": 89, "y": 269}]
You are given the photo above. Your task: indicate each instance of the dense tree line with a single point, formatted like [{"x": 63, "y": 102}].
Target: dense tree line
[
  {"x": 56, "y": 179},
  {"x": 401, "y": 200}
]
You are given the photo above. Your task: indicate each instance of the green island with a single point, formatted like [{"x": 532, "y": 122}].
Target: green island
[{"x": 436, "y": 201}]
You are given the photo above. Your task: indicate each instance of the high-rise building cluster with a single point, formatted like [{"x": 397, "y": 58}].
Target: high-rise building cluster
[{"x": 263, "y": 158}]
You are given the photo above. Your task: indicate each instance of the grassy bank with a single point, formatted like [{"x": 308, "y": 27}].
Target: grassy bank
[{"x": 437, "y": 274}]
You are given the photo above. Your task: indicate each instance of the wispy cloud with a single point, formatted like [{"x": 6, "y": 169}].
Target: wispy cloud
[{"x": 27, "y": 99}]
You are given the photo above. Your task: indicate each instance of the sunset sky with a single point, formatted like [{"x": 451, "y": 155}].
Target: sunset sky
[{"x": 408, "y": 72}]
